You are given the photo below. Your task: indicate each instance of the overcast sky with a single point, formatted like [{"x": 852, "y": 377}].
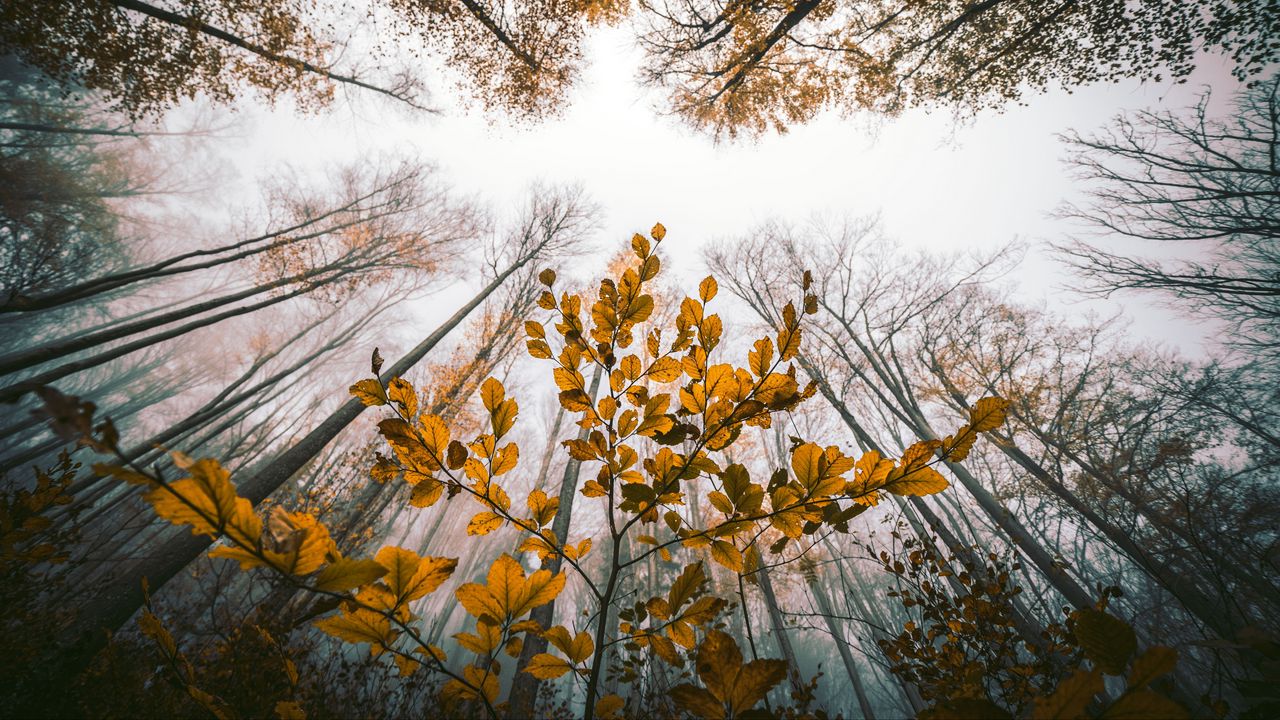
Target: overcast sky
[{"x": 936, "y": 183}]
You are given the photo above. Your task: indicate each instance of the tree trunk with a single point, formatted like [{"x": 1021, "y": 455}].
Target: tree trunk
[
  {"x": 837, "y": 635},
  {"x": 524, "y": 689}
]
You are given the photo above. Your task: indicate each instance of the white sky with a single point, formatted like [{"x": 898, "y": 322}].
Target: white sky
[{"x": 936, "y": 184}]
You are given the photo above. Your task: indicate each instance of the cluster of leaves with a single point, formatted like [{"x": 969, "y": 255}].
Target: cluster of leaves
[
  {"x": 666, "y": 393},
  {"x": 970, "y": 656},
  {"x": 31, "y": 545},
  {"x": 963, "y": 643}
]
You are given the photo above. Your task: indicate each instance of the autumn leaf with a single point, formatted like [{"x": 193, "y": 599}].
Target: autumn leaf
[
  {"x": 508, "y": 594},
  {"x": 545, "y": 666},
  {"x": 410, "y": 577},
  {"x": 345, "y": 574},
  {"x": 1158, "y": 660},
  {"x": 988, "y": 414},
  {"x": 369, "y": 392},
  {"x": 727, "y": 555},
  {"x": 360, "y": 626},
  {"x": 1069, "y": 699},
  {"x": 484, "y": 523},
  {"x": 1105, "y": 639}
]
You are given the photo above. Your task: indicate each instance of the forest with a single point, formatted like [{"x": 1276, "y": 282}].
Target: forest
[{"x": 640, "y": 359}]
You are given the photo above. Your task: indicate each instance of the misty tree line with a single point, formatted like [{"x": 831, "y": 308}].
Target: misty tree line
[{"x": 1119, "y": 466}]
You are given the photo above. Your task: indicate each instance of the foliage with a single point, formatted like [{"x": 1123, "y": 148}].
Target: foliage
[
  {"x": 371, "y": 601},
  {"x": 970, "y": 655}
]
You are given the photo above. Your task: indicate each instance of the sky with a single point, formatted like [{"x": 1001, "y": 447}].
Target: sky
[{"x": 936, "y": 182}]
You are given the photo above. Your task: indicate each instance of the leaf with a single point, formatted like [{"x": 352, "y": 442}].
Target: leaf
[
  {"x": 658, "y": 232},
  {"x": 727, "y": 555},
  {"x": 361, "y": 626},
  {"x": 988, "y": 414},
  {"x": 492, "y": 394},
  {"x": 205, "y": 501},
  {"x": 1069, "y": 699},
  {"x": 290, "y": 709},
  {"x": 707, "y": 289},
  {"x": 369, "y": 392},
  {"x": 581, "y": 647},
  {"x": 484, "y": 523},
  {"x": 347, "y": 574},
  {"x": 718, "y": 663},
  {"x": 402, "y": 393},
  {"x": 754, "y": 681},
  {"x": 685, "y": 585},
  {"x": 410, "y": 577},
  {"x": 546, "y": 666},
  {"x": 1156, "y": 661},
  {"x": 918, "y": 481},
  {"x": 695, "y": 700},
  {"x": 1105, "y": 639},
  {"x": 547, "y": 277},
  {"x": 609, "y": 706},
  {"x": 375, "y": 363}
]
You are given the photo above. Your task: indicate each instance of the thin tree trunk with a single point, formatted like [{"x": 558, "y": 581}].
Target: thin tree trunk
[
  {"x": 524, "y": 688},
  {"x": 837, "y": 635}
]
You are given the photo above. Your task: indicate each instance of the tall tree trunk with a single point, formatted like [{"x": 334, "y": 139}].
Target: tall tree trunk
[
  {"x": 837, "y": 636},
  {"x": 524, "y": 689},
  {"x": 779, "y": 628}
]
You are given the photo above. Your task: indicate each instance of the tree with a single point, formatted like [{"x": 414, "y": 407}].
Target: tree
[
  {"x": 735, "y": 67},
  {"x": 1195, "y": 181},
  {"x": 868, "y": 302},
  {"x": 144, "y": 58}
]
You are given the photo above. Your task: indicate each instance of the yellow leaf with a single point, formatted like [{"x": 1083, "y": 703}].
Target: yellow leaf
[
  {"x": 658, "y": 232},
  {"x": 208, "y": 499},
  {"x": 727, "y": 555},
  {"x": 581, "y": 647},
  {"x": 699, "y": 702},
  {"x": 360, "y": 626},
  {"x": 290, "y": 710},
  {"x": 1158, "y": 660},
  {"x": 401, "y": 392},
  {"x": 640, "y": 244},
  {"x": 347, "y": 574},
  {"x": 920, "y": 481},
  {"x": 492, "y": 394},
  {"x": 407, "y": 665},
  {"x": 543, "y": 508},
  {"x": 484, "y": 523},
  {"x": 1069, "y": 699},
  {"x": 988, "y": 414},
  {"x": 609, "y": 707},
  {"x": 484, "y": 642},
  {"x": 546, "y": 666},
  {"x": 541, "y": 588},
  {"x": 1105, "y": 639},
  {"x": 753, "y": 682},
  {"x": 707, "y": 289},
  {"x": 506, "y": 459},
  {"x": 369, "y": 392},
  {"x": 410, "y": 577},
  {"x": 426, "y": 492}
]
